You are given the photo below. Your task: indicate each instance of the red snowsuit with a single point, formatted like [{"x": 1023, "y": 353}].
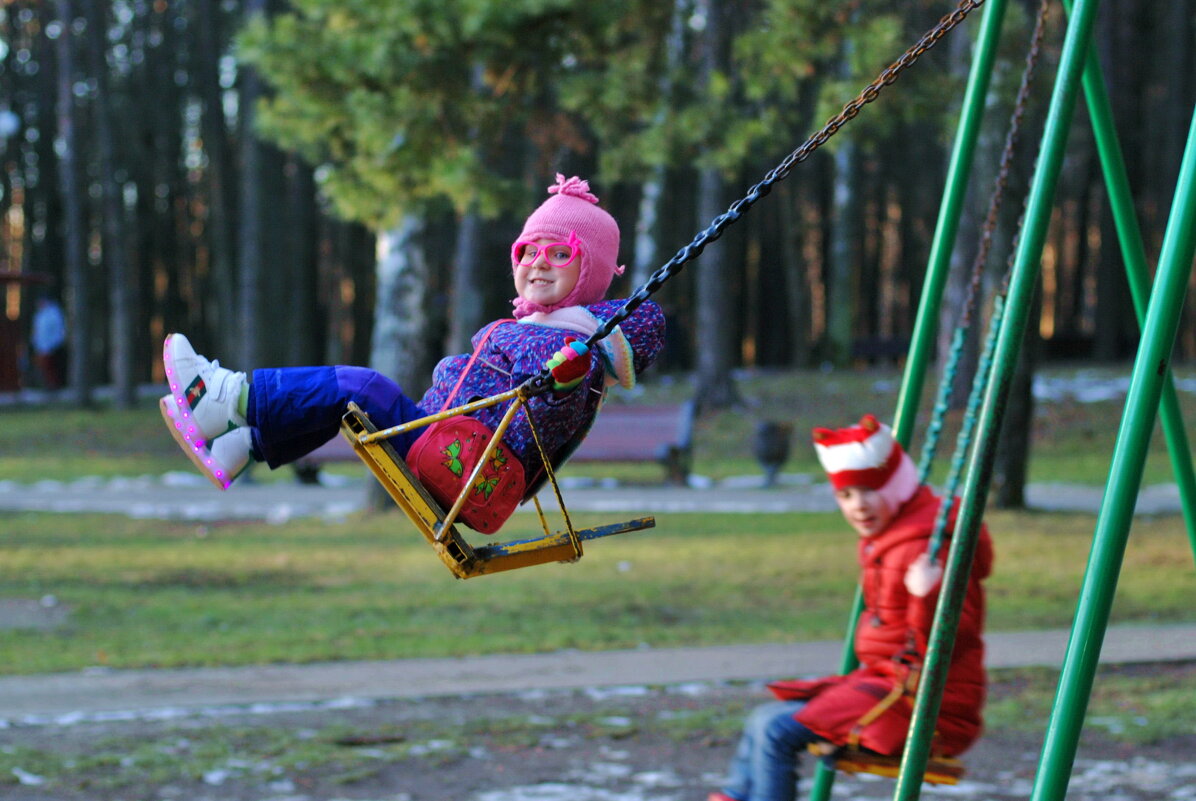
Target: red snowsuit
[{"x": 890, "y": 642}]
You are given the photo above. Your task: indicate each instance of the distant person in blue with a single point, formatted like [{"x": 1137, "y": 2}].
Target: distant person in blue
[{"x": 48, "y": 342}]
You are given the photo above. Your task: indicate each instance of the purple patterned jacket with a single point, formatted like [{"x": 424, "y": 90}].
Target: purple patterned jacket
[{"x": 515, "y": 352}]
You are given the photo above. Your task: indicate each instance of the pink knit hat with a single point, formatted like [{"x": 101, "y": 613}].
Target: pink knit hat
[
  {"x": 867, "y": 455},
  {"x": 572, "y": 209}
]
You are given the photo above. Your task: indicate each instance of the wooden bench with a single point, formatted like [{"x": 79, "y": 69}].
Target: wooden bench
[
  {"x": 621, "y": 433},
  {"x": 631, "y": 433}
]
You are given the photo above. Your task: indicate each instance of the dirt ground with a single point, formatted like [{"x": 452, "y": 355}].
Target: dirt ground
[{"x": 617, "y": 744}]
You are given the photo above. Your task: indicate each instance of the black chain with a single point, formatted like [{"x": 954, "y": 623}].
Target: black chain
[{"x": 691, "y": 251}]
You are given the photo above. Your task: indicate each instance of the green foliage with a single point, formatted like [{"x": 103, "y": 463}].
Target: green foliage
[
  {"x": 403, "y": 103},
  {"x": 407, "y": 102}
]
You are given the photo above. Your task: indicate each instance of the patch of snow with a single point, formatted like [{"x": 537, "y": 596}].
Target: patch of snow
[
  {"x": 178, "y": 713},
  {"x": 28, "y": 779}
]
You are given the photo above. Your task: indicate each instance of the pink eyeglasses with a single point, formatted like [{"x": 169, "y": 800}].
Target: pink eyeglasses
[{"x": 557, "y": 254}]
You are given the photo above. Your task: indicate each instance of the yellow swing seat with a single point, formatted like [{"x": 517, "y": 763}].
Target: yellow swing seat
[
  {"x": 426, "y": 514},
  {"x": 853, "y": 759}
]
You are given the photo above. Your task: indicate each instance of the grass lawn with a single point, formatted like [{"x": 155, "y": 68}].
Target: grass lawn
[
  {"x": 145, "y": 593},
  {"x": 152, "y": 593}
]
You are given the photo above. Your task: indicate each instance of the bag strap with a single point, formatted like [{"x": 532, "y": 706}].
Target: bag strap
[
  {"x": 900, "y": 689},
  {"x": 485, "y": 336}
]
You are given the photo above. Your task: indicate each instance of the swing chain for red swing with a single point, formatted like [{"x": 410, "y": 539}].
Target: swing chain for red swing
[
  {"x": 996, "y": 201},
  {"x": 988, "y": 230},
  {"x": 870, "y": 92}
]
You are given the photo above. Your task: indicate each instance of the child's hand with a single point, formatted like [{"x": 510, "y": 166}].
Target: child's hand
[
  {"x": 921, "y": 577},
  {"x": 569, "y": 365}
]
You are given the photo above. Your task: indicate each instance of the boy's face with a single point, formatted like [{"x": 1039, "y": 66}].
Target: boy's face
[
  {"x": 865, "y": 510},
  {"x": 540, "y": 282}
]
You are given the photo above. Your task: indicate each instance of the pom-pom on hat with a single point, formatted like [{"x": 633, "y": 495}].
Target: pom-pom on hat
[
  {"x": 573, "y": 210},
  {"x": 867, "y": 455}
]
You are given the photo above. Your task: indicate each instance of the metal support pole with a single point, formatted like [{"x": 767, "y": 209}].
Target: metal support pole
[
  {"x": 1125, "y": 477},
  {"x": 1021, "y": 291},
  {"x": 926, "y": 326},
  {"x": 1129, "y": 235}
]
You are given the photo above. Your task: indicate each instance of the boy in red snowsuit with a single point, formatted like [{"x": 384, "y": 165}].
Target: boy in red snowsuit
[{"x": 876, "y": 487}]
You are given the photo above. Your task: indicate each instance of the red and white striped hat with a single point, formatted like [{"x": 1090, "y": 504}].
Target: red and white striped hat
[{"x": 867, "y": 455}]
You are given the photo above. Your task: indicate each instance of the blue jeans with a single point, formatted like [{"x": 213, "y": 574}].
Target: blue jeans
[
  {"x": 764, "y": 767},
  {"x": 294, "y": 410}
]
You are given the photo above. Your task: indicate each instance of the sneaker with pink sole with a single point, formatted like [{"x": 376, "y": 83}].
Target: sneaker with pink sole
[
  {"x": 221, "y": 459},
  {"x": 205, "y": 393}
]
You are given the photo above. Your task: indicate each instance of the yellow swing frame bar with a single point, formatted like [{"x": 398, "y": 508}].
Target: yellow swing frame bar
[{"x": 438, "y": 526}]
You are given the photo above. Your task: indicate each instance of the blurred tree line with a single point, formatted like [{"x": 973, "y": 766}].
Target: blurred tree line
[{"x": 340, "y": 180}]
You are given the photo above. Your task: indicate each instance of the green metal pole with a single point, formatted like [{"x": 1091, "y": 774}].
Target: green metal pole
[
  {"x": 1021, "y": 291},
  {"x": 1137, "y": 272},
  {"x": 1121, "y": 491},
  {"x": 926, "y": 325},
  {"x": 938, "y": 266}
]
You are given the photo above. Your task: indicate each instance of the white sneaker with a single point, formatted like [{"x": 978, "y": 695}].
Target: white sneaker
[
  {"x": 221, "y": 459},
  {"x": 205, "y": 393}
]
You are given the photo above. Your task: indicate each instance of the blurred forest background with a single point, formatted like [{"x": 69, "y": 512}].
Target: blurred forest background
[{"x": 339, "y": 181}]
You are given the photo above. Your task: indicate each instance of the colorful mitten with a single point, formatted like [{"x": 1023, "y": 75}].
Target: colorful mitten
[{"x": 569, "y": 365}]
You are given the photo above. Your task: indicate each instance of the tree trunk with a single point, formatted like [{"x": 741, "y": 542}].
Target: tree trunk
[
  {"x": 304, "y": 321},
  {"x": 74, "y": 234},
  {"x": 120, "y": 291},
  {"x": 467, "y": 309},
  {"x": 400, "y": 317},
  {"x": 797, "y": 283},
  {"x": 1012, "y": 458},
  {"x": 845, "y": 251},
  {"x": 221, "y": 231},
  {"x": 647, "y": 228},
  {"x": 250, "y": 219},
  {"x": 715, "y": 340}
]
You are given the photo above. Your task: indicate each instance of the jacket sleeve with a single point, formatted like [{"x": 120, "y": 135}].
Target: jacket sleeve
[{"x": 643, "y": 329}]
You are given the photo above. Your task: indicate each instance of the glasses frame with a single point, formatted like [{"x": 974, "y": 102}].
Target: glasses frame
[{"x": 574, "y": 245}]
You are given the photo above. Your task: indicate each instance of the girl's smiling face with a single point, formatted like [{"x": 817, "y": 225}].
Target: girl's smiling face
[
  {"x": 540, "y": 282},
  {"x": 865, "y": 509}
]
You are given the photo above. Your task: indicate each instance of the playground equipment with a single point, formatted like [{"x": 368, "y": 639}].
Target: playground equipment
[
  {"x": 1150, "y": 382},
  {"x": 438, "y": 526},
  {"x": 1158, "y": 310}
]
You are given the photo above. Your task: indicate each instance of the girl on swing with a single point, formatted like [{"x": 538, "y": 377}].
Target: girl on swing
[
  {"x": 876, "y": 487},
  {"x": 563, "y": 262}
]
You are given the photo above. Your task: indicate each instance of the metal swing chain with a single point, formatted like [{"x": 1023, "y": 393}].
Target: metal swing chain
[
  {"x": 996, "y": 200},
  {"x": 963, "y": 442},
  {"x": 691, "y": 251}
]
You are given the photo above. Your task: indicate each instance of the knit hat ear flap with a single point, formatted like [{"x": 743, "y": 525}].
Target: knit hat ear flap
[
  {"x": 573, "y": 211},
  {"x": 867, "y": 455}
]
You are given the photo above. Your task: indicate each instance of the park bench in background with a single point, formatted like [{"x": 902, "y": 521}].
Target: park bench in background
[
  {"x": 631, "y": 433},
  {"x": 621, "y": 433}
]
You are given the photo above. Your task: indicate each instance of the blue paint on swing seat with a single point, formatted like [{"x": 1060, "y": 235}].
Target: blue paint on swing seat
[{"x": 501, "y": 548}]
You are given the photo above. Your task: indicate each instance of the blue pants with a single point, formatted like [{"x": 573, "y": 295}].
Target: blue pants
[
  {"x": 764, "y": 767},
  {"x": 294, "y": 410}
]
